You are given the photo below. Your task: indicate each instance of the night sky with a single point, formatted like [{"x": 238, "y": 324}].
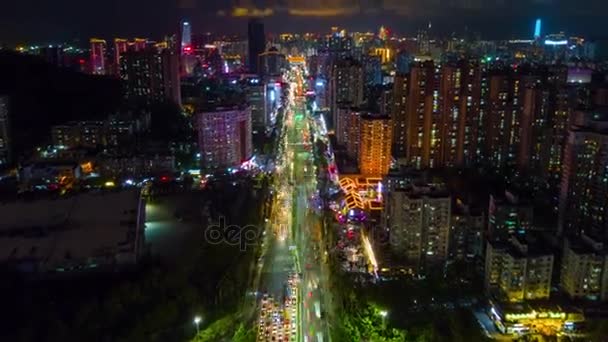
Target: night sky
[{"x": 47, "y": 21}]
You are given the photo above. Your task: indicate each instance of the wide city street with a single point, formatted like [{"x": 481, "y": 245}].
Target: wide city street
[{"x": 293, "y": 262}]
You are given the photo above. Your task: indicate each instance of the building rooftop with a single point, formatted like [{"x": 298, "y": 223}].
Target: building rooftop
[{"x": 69, "y": 229}]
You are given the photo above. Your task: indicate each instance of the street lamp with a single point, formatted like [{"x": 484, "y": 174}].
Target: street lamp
[
  {"x": 197, "y": 321},
  {"x": 383, "y": 313}
]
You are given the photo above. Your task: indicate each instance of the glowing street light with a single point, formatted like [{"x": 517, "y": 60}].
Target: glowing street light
[
  {"x": 197, "y": 321},
  {"x": 383, "y": 313}
]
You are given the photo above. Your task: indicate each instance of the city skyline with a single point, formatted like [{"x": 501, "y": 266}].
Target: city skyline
[{"x": 55, "y": 23}]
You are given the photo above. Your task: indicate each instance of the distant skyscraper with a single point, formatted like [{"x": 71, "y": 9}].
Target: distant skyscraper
[
  {"x": 257, "y": 43},
  {"x": 186, "y": 38},
  {"x": 98, "y": 56},
  {"x": 121, "y": 46},
  {"x": 537, "y": 28},
  {"x": 5, "y": 147},
  {"x": 54, "y": 55},
  {"x": 139, "y": 44},
  {"x": 375, "y": 145}
]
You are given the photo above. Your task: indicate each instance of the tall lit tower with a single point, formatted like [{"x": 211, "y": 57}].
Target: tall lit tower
[
  {"x": 257, "y": 43},
  {"x": 121, "y": 46},
  {"x": 376, "y": 138},
  {"x": 98, "y": 56},
  {"x": 537, "y": 28},
  {"x": 186, "y": 37}
]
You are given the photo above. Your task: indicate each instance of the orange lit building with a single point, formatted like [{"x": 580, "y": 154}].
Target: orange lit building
[
  {"x": 386, "y": 54},
  {"x": 375, "y": 145}
]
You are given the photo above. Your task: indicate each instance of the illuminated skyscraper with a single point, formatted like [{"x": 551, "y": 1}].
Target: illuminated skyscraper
[
  {"x": 418, "y": 219},
  {"x": 257, "y": 43},
  {"x": 150, "y": 75},
  {"x": 583, "y": 202},
  {"x": 348, "y": 130},
  {"x": 121, "y": 46},
  {"x": 399, "y": 115},
  {"x": 375, "y": 145},
  {"x": 537, "y": 29},
  {"x": 98, "y": 56},
  {"x": 423, "y": 121},
  {"x": 502, "y": 121},
  {"x": 224, "y": 137},
  {"x": 345, "y": 86},
  {"x": 186, "y": 38}
]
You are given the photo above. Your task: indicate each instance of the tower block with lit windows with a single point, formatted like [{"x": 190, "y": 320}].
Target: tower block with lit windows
[{"x": 375, "y": 145}]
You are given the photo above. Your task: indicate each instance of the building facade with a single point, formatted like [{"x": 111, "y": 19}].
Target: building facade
[
  {"x": 376, "y": 136},
  {"x": 516, "y": 271},
  {"x": 584, "y": 270},
  {"x": 224, "y": 137},
  {"x": 346, "y": 86},
  {"x": 98, "y": 56},
  {"x": 583, "y": 204},
  {"x": 418, "y": 220},
  {"x": 151, "y": 75},
  {"x": 257, "y": 44}
]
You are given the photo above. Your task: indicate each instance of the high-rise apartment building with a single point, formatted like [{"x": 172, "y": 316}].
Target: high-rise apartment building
[
  {"x": 257, "y": 44},
  {"x": 346, "y": 86},
  {"x": 150, "y": 75},
  {"x": 418, "y": 219},
  {"x": 376, "y": 136},
  {"x": 348, "y": 129},
  {"x": 462, "y": 131},
  {"x": 256, "y": 97},
  {"x": 583, "y": 204},
  {"x": 424, "y": 145},
  {"x": 5, "y": 138},
  {"x": 98, "y": 56},
  {"x": 121, "y": 46},
  {"x": 399, "y": 115},
  {"x": 584, "y": 270},
  {"x": 224, "y": 137},
  {"x": 518, "y": 270}
]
